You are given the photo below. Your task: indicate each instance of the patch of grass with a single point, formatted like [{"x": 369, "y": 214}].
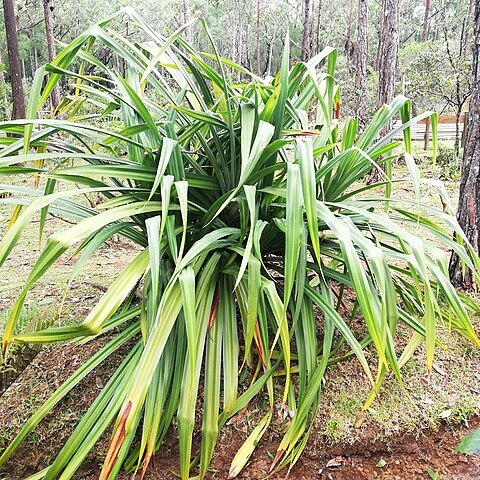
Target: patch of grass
[
  {"x": 334, "y": 431},
  {"x": 453, "y": 388}
]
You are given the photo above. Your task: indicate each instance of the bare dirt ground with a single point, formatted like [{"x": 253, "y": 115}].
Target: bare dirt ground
[
  {"x": 429, "y": 455},
  {"x": 421, "y": 453}
]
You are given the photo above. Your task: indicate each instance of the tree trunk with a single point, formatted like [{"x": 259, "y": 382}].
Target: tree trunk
[
  {"x": 14, "y": 60},
  {"x": 318, "y": 37},
  {"x": 240, "y": 39},
  {"x": 349, "y": 48},
  {"x": 258, "y": 37},
  {"x": 269, "y": 52},
  {"x": 468, "y": 214},
  {"x": 4, "y": 108},
  {"x": 387, "y": 61},
  {"x": 312, "y": 47},
  {"x": 388, "y": 51},
  {"x": 234, "y": 35},
  {"x": 456, "y": 145},
  {"x": 361, "y": 59},
  {"x": 465, "y": 37},
  {"x": 379, "y": 42},
  {"x": 247, "y": 64},
  {"x": 425, "y": 21},
  {"x": 55, "y": 96},
  {"x": 306, "y": 30},
  {"x": 186, "y": 18}
]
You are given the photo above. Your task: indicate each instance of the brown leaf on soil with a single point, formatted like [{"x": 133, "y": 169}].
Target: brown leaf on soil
[
  {"x": 360, "y": 421},
  {"x": 335, "y": 462},
  {"x": 440, "y": 370}
]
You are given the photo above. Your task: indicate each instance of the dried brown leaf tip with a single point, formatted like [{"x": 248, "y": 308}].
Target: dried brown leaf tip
[{"x": 116, "y": 444}]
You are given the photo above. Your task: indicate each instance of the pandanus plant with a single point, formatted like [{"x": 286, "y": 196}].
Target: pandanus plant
[{"x": 252, "y": 227}]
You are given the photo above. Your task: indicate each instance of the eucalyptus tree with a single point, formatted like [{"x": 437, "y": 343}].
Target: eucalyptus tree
[
  {"x": 307, "y": 28},
  {"x": 14, "y": 60},
  {"x": 426, "y": 19},
  {"x": 468, "y": 213},
  {"x": 388, "y": 50},
  {"x": 361, "y": 59},
  {"x": 49, "y": 26}
]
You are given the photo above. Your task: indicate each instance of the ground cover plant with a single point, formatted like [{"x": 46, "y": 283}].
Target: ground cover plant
[{"x": 252, "y": 229}]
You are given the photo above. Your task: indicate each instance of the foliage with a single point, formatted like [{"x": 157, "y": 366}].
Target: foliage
[
  {"x": 448, "y": 162},
  {"x": 249, "y": 247},
  {"x": 350, "y": 97},
  {"x": 471, "y": 443},
  {"x": 15, "y": 359},
  {"x": 431, "y": 78},
  {"x": 4, "y": 91},
  {"x": 331, "y": 22}
]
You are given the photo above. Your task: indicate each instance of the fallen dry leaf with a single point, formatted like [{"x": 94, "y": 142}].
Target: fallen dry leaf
[{"x": 335, "y": 462}]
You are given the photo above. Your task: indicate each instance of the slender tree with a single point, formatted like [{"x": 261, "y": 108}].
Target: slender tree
[
  {"x": 387, "y": 60},
  {"x": 361, "y": 58},
  {"x": 3, "y": 91},
  {"x": 14, "y": 60},
  {"x": 462, "y": 87},
  {"x": 307, "y": 10},
  {"x": 349, "y": 46},
  {"x": 468, "y": 214},
  {"x": 312, "y": 47},
  {"x": 258, "y": 36},
  {"x": 318, "y": 46},
  {"x": 467, "y": 21},
  {"x": 425, "y": 21},
  {"x": 388, "y": 53},
  {"x": 55, "y": 97}
]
